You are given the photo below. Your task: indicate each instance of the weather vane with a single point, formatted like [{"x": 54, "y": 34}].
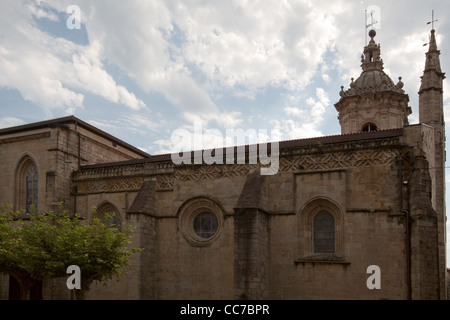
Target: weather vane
[
  {"x": 432, "y": 24},
  {"x": 432, "y": 20},
  {"x": 373, "y": 22}
]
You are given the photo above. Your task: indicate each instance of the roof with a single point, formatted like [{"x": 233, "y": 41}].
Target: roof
[
  {"x": 283, "y": 145},
  {"x": 77, "y": 122}
]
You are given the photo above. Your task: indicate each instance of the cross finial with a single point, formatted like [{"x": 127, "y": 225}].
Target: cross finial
[
  {"x": 432, "y": 20},
  {"x": 432, "y": 40},
  {"x": 372, "y": 23}
]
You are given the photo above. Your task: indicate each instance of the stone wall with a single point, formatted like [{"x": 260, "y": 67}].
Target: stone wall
[
  {"x": 263, "y": 247},
  {"x": 260, "y": 251}
]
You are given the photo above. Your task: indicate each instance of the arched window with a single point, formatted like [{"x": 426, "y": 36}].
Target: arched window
[
  {"x": 323, "y": 232},
  {"x": 26, "y": 185},
  {"x": 321, "y": 229},
  {"x": 108, "y": 208},
  {"x": 369, "y": 127}
]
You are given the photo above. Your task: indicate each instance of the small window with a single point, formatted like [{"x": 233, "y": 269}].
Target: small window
[
  {"x": 369, "y": 127},
  {"x": 109, "y": 209},
  {"x": 26, "y": 185},
  {"x": 323, "y": 232},
  {"x": 200, "y": 221},
  {"x": 205, "y": 225}
]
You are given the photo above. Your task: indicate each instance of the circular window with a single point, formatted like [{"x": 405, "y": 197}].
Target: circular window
[
  {"x": 205, "y": 225},
  {"x": 200, "y": 221}
]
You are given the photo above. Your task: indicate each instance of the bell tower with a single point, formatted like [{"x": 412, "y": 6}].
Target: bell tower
[
  {"x": 431, "y": 112},
  {"x": 373, "y": 101}
]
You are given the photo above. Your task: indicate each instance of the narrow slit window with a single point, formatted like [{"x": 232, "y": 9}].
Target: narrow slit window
[{"x": 31, "y": 189}]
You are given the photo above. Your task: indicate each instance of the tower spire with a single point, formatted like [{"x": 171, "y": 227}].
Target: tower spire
[
  {"x": 431, "y": 112},
  {"x": 432, "y": 75}
]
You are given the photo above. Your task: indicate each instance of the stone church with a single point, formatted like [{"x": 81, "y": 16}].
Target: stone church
[{"x": 338, "y": 205}]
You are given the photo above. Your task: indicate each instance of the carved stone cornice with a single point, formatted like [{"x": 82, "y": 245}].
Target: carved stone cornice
[
  {"x": 35, "y": 136},
  {"x": 120, "y": 184},
  {"x": 130, "y": 177},
  {"x": 127, "y": 170}
]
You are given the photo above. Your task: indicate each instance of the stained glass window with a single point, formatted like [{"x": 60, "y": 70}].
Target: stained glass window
[
  {"x": 31, "y": 189},
  {"x": 205, "y": 225}
]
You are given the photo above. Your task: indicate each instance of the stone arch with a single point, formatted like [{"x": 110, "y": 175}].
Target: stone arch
[{"x": 307, "y": 217}]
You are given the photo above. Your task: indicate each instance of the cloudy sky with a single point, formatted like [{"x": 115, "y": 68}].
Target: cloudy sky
[{"x": 142, "y": 69}]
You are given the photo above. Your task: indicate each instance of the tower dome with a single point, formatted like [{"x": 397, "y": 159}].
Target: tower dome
[
  {"x": 372, "y": 81},
  {"x": 373, "y": 100}
]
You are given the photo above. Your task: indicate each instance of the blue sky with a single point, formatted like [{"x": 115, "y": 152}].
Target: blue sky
[{"x": 142, "y": 69}]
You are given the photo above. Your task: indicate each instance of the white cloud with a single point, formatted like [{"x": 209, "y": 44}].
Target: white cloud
[
  {"x": 235, "y": 46},
  {"x": 308, "y": 121},
  {"x": 294, "y": 111},
  {"x": 161, "y": 146},
  {"x": 88, "y": 74},
  {"x": 136, "y": 124},
  {"x": 257, "y": 44},
  {"x": 193, "y": 53},
  {"x": 190, "y": 51},
  {"x": 318, "y": 105},
  {"x": 143, "y": 121},
  {"x": 52, "y": 72},
  {"x": 104, "y": 125},
  {"x": 41, "y": 13},
  {"x": 6, "y": 122}
]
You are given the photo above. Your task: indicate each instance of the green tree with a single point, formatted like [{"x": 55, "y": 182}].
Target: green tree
[{"x": 42, "y": 246}]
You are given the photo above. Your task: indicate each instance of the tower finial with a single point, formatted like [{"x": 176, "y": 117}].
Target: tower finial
[
  {"x": 432, "y": 41},
  {"x": 371, "y": 59},
  {"x": 372, "y": 23},
  {"x": 432, "y": 20}
]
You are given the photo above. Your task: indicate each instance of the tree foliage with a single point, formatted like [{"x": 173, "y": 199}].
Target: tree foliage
[{"x": 42, "y": 246}]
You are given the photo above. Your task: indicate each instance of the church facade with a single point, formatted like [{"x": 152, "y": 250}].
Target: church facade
[{"x": 340, "y": 210}]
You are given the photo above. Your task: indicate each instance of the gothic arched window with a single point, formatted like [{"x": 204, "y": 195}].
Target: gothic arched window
[
  {"x": 107, "y": 208},
  {"x": 323, "y": 232},
  {"x": 26, "y": 185}
]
